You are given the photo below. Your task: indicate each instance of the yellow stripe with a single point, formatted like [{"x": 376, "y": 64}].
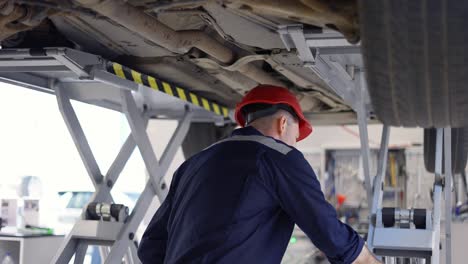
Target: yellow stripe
[
  {"x": 181, "y": 93},
  {"x": 194, "y": 99},
  {"x": 167, "y": 88},
  {"x": 118, "y": 70},
  {"x": 206, "y": 105},
  {"x": 136, "y": 77},
  {"x": 152, "y": 83},
  {"x": 216, "y": 109},
  {"x": 225, "y": 112}
]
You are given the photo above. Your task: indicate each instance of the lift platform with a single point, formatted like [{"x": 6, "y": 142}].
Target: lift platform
[
  {"x": 394, "y": 233},
  {"x": 91, "y": 79},
  {"x": 73, "y": 75}
]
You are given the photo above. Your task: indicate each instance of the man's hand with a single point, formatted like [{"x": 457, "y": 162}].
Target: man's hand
[{"x": 366, "y": 257}]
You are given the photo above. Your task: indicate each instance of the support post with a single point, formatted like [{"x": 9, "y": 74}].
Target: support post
[
  {"x": 362, "y": 121},
  {"x": 437, "y": 196},
  {"x": 381, "y": 169},
  {"x": 448, "y": 194},
  {"x": 378, "y": 181}
]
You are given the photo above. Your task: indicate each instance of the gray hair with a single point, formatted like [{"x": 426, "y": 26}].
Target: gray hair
[{"x": 265, "y": 122}]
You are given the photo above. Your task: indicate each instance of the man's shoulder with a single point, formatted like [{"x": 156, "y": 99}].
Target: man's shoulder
[
  {"x": 277, "y": 150},
  {"x": 292, "y": 156},
  {"x": 269, "y": 147}
]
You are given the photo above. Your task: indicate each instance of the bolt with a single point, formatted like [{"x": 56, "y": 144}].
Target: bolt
[
  {"x": 131, "y": 236},
  {"x": 110, "y": 183},
  {"x": 163, "y": 186}
]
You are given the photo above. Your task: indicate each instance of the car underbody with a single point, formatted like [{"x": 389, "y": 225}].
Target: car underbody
[{"x": 220, "y": 49}]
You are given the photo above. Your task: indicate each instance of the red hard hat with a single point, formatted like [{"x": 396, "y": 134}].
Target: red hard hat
[{"x": 269, "y": 94}]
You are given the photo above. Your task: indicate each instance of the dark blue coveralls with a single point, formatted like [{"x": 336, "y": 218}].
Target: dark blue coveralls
[{"x": 237, "y": 202}]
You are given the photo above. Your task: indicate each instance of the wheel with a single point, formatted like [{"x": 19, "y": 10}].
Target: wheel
[
  {"x": 459, "y": 149},
  {"x": 203, "y": 135},
  {"x": 415, "y": 58}
]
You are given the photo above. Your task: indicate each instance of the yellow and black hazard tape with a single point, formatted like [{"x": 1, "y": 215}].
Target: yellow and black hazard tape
[{"x": 167, "y": 88}]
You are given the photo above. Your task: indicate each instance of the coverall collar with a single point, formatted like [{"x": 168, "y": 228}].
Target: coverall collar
[
  {"x": 251, "y": 131},
  {"x": 246, "y": 131}
]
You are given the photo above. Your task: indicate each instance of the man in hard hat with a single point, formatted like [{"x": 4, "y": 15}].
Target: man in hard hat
[{"x": 238, "y": 200}]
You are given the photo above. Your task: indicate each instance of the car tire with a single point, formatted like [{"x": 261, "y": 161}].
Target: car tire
[
  {"x": 459, "y": 149},
  {"x": 415, "y": 61},
  {"x": 203, "y": 135}
]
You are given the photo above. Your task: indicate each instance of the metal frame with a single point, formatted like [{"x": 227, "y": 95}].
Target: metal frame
[
  {"x": 411, "y": 242},
  {"x": 335, "y": 62},
  {"x": 74, "y": 75},
  {"x": 118, "y": 235},
  {"x": 324, "y": 54}
]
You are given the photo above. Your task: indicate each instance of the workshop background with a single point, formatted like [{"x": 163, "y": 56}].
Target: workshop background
[{"x": 43, "y": 165}]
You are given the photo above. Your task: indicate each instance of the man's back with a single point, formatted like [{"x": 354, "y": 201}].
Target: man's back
[{"x": 234, "y": 203}]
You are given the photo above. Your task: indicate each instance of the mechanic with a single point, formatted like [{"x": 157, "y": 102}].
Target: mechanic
[{"x": 238, "y": 200}]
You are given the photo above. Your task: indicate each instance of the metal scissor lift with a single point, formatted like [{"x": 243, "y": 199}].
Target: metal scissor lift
[
  {"x": 71, "y": 74},
  {"x": 75, "y": 75},
  {"x": 394, "y": 233}
]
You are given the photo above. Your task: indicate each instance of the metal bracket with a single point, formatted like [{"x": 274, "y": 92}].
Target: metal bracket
[
  {"x": 320, "y": 61},
  {"x": 295, "y": 33}
]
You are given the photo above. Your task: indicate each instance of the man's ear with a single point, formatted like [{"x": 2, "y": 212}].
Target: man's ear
[{"x": 282, "y": 123}]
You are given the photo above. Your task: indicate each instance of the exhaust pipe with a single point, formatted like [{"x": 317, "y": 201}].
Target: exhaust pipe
[
  {"x": 176, "y": 41},
  {"x": 150, "y": 28}
]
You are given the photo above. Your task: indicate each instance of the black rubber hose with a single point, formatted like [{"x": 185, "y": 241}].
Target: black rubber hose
[{"x": 465, "y": 186}]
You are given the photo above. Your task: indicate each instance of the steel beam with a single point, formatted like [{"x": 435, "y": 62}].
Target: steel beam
[
  {"x": 365, "y": 148},
  {"x": 448, "y": 193},
  {"x": 176, "y": 141},
  {"x": 437, "y": 196},
  {"x": 103, "y": 191},
  {"x": 80, "y": 253},
  {"x": 78, "y": 136},
  {"x": 136, "y": 122},
  {"x": 378, "y": 183}
]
